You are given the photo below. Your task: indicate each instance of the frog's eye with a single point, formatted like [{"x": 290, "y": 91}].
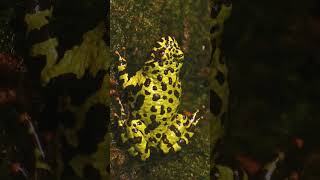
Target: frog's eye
[{"x": 181, "y": 141}]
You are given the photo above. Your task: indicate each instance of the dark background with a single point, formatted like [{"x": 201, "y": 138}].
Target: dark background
[{"x": 273, "y": 52}]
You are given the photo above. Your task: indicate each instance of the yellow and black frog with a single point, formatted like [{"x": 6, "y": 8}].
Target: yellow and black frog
[{"x": 152, "y": 99}]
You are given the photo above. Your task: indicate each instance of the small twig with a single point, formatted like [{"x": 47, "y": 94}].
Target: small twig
[
  {"x": 16, "y": 167},
  {"x": 37, "y": 139},
  {"x": 121, "y": 106},
  {"x": 24, "y": 117},
  {"x": 273, "y": 165},
  {"x": 121, "y": 59}
]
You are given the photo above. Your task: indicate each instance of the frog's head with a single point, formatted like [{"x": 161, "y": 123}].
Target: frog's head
[
  {"x": 167, "y": 50},
  {"x": 166, "y": 57}
]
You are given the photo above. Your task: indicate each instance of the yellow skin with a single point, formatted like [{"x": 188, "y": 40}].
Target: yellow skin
[{"x": 154, "y": 94}]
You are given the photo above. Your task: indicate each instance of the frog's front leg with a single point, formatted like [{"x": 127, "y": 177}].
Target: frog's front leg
[
  {"x": 178, "y": 133},
  {"x": 135, "y": 135},
  {"x": 125, "y": 81}
]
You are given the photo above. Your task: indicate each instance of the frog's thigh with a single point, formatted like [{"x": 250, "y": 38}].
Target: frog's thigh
[
  {"x": 171, "y": 139},
  {"x": 154, "y": 136},
  {"x": 136, "y": 136},
  {"x": 177, "y": 134}
]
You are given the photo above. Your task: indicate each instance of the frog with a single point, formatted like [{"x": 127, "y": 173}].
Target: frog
[{"x": 153, "y": 95}]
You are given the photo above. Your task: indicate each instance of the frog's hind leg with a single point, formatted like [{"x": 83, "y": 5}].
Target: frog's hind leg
[
  {"x": 135, "y": 135},
  {"x": 178, "y": 133}
]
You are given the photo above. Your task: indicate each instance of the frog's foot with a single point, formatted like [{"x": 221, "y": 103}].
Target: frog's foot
[
  {"x": 121, "y": 59},
  {"x": 122, "y": 121},
  {"x": 122, "y": 63},
  {"x": 123, "y": 113},
  {"x": 122, "y": 70},
  {"x": 193, "y": 122},
  {"x": 178, "y": 133},
  {"x": 135, "y": 135}
]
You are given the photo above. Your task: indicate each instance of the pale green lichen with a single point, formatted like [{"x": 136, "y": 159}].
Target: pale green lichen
[
  {"x": 225, "y": 173},
  {"x": 48, "y": 49},
  {"x": 222, "y": 90},
  {"x": 40, "y": 164},
  {"x": 99, "y": 97},
  {"x": 38, "y": 19},
  {"x": 98, "y": 160},
  {"x": 219, "y": 21},
  {"x": 216, "y": 132},
  {"x": 91, "y": 54}
]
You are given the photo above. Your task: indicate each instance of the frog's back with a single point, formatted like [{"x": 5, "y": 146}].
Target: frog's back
[{"x": 159, "y": 87}]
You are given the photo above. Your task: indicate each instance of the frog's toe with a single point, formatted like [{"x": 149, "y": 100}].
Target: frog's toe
[
  {"x": 145, "y": 155},
  {"x": 165, "y": 148},
  {"x": 134, "y": 151},
  {"x": 121, "y": 59},
  {"x": 140, "y": 148},
  {"x": 194, "y": 121},
  {"x": 179, "y": 144}
]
